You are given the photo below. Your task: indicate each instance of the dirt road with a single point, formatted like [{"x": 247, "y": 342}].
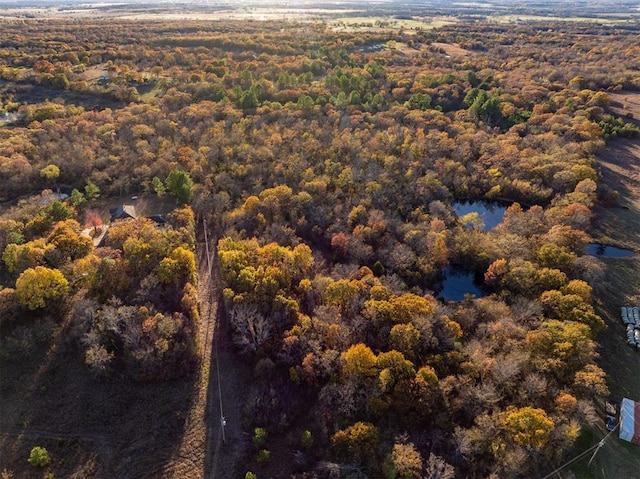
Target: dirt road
[{"x": 225, "y": 375}]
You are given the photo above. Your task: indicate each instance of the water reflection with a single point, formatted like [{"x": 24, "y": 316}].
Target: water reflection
[
  {"x": 489, "y": 213},
  {"x": 456, "y": 284},
  {"x": 608, "y": 251}
]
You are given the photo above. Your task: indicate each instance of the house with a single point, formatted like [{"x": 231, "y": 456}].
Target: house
[
  {"x": 159, "y": 220},
  {"x": 123, "y": 212}
]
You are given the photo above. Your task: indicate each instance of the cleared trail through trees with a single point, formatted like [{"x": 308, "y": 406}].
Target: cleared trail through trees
[{"x": 225, "y": 443}]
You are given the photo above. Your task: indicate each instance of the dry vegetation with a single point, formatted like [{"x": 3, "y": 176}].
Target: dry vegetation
[
  {"x": 618, "y": 165},
  {"x": 325, "y": 164}
]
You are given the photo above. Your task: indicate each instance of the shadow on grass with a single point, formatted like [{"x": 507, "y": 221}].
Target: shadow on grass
[
  {"x": 229, "y": 383},
  {"x": 619, "y": 167},
  {"x": 92, "y": 427}
]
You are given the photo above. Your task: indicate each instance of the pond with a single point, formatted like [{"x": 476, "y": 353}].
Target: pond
[
  {"x": 608, "y": 251},
  {"x": 490, "y": 213},
  {"x": 455, "y": 284}
]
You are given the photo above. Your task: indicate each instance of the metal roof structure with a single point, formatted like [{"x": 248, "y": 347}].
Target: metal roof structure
[{"x": 630, "y": 421}]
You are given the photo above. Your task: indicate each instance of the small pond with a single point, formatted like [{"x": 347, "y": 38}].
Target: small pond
[
  {"x": 490, "y": 213},
  {"x": 455, "y": 284},
  {"x": 608, "y": 251}
]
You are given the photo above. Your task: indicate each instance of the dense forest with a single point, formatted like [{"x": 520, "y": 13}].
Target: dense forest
[{"x": 326, "y": 165}]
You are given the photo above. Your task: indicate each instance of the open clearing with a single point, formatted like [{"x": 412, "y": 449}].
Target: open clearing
[
  {"x": 544, "y": 18},
  {"x": 452, "y": 49},
  {"x": 626, "y": 105},
  {"x": 388, "y": 23},
  {"x": 619, "y": 167},
  {"x": 175, "y": 11}
]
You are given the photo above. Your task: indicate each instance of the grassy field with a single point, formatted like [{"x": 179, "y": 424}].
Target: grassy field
[
  {"x": 387, "y": 23},
  {"x": 619, "y": 168},
  {"x": 544, "y": 18}
]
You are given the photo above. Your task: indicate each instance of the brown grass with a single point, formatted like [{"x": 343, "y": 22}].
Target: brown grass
[
  {"x": 619, "y": 169},
  {"x": 626, "y": 105},
  {"x": 452, "y": 49},
  {"x": 95, "y": 428}
]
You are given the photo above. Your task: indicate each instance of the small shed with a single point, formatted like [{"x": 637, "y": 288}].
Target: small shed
[
  {"x": 123, "y": 212},
  {"x": 630, "y": 421}
]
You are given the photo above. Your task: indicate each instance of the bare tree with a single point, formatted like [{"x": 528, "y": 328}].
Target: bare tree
[
  {"x": 438, "y": 468},
  {"x": 252, "y": 329}
]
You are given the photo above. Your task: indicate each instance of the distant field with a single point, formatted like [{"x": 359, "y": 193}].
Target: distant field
[
  {"x": 452, "y": 49},
  {"x": 175, "y": 12},
  {"x": 380, "y": 23},
  {"x": 348, "y": 19},
  {"x": 543, "y": 18},
  {"x": 355, "y": 15}
]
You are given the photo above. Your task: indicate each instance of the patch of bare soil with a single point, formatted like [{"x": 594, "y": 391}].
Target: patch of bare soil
[
  {"x": 94, "y": 73},
  {"x": 626, "y": 105},
  {"x": 27, "y": 93},
  {"x": 452, "y": 49}
]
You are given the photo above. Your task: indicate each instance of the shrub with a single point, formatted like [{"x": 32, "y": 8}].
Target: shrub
[
  {"x": 250, "y": 475},
  {"x": 259, "y": 436},
  {"x": 39, "y": 457},
  {"x": 306, "y": 440},
  {"x": 263, "y": 455}
]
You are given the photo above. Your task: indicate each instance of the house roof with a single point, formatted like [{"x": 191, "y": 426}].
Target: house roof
[
  {"x": 123, "y": 212},
  {"x": 158, "y": 219}
]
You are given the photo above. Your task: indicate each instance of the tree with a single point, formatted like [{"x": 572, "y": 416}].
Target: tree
[
  {"x": 17, "y": 258},
  {"x": 36, "y": 286},
  {"x": 68, "y": 242},
  {"x": 592, "y": 380},
  {"x": 39, "y": 457},
  {"x": 438, "y": 468},
  {"x": 343, "y": 293},
  {"x": 259, "y": 437},
  {"x": 98, "y": 358},
  {"x": 359, "y": 359},
  {"x": 406, "y": 462},
  {"x": 58, "y": 211},
  {"x": 419, "y": 101},
  {"x": 393, "y": 368},
  {"x": 94, "y": 220},
  {"x": 158, "y": 186},
  {"x": 50, "y": 172},
  {"x": 178, "y": 267},
  {"x": 359, "y": 441},
  {"x": 77, "y": 199},
  {"x": 251, "y": 328},
  {"x": 180, "y": 185},
  {"x": 249, "y": 100},
  {"x": 405, "y": 338},
  {"x": 91, "y": 190},
  {"x": 529, "y": 427},
  {"x": 554, "y": 256},
  {"x": 495, "y": 272},
  {"x": 305, "y": 102}
]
